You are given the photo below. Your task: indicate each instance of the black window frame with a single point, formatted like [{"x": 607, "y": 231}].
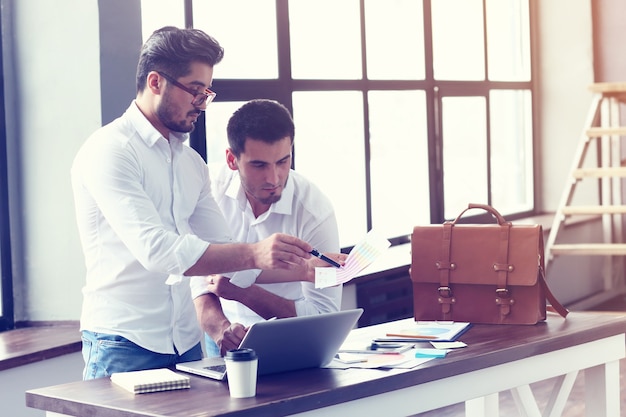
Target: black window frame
[
  {"x": 7, "y": 320},
  {"x": 281, "y": 89}
]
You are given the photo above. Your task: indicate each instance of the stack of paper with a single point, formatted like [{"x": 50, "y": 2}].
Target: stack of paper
[{"x": 150, "y": 380}]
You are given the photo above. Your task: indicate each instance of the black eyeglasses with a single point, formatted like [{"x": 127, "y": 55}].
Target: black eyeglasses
[{"x": 199, "y": 98}]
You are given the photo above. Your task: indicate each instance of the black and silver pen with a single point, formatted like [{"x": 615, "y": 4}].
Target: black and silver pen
[{"x": 324, "y": 258}]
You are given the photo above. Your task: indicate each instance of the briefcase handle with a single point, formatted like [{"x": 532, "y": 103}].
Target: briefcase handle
[{"x": 485, "y": 207}]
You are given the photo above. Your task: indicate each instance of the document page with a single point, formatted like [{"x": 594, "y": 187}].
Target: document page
[{"x": 359, "y": 258}]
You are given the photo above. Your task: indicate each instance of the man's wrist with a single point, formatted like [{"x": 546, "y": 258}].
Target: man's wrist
[
  {"x": 243, "y": 279},
  {"x": 217, "y": 330}
]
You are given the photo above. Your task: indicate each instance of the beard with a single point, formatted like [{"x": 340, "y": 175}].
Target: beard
[
  {"x": 166, "y": 112},
  {"x": 253, "y": 193},
  {"x": 270, "y": 199}
]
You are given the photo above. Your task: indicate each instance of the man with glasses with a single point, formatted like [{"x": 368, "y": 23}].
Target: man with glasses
[
  {"x": 200, "y": 97},
  {"x": 147, "y": 219},
  {"x": 260, "y": 194}
]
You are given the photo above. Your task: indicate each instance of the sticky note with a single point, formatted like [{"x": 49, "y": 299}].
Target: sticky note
[{"x": 430, "y": 353}]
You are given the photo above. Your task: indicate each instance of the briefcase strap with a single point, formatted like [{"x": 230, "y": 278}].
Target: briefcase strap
[
  {"x": 444, "y": 265},
  {"x": 502, "y": 268},
  {"x": 554, "y": 306}
]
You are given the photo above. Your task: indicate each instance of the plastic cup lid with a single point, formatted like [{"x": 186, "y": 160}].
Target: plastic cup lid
[{"x": 240, "y": 355}]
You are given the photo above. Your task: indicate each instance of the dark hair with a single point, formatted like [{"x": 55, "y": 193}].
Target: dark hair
[
  {"x": 260, "y": 119},
  {"x": 172, "y": 50}
]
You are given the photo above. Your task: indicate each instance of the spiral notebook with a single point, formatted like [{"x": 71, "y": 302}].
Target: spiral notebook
[{"x": 150, "y": 380}]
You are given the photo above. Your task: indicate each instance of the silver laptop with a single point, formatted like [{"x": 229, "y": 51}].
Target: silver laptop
[{"x": 287, "y": 344}]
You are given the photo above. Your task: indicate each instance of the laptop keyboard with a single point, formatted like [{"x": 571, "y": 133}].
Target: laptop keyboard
[{"x": 216, "y": 368}]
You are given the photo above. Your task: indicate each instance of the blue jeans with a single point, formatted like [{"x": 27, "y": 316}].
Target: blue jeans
[
  {"x": 105, "y": 354},
  {"x": 211, "y": 347}
]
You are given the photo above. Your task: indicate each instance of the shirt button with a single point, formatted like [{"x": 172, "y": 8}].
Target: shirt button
[{"x": 169, "y": 160}]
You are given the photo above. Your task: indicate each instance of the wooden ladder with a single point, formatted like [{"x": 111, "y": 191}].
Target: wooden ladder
[{"x": 605, "y": 170}]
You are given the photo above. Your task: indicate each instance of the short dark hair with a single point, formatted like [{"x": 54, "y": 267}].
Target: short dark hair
[
  {"x": 172, "y": 50},
  {"x": 260, "y": 119}
]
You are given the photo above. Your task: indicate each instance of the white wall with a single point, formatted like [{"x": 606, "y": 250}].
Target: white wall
[
  {"x": 565, "y": 72},
  {"x": 56, "y": 75},
  {"x": 56, "y": 68}
]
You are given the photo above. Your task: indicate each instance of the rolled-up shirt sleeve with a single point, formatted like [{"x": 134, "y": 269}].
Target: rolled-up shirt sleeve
[
  {"x": 242, "y": 279},
  {"x": 165, "y": 217},
  {"x": 318, "y": 301}
]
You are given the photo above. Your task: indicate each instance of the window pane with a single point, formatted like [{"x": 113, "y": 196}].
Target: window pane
[
  {"x": 464, "y": 153},
  {"x": 169, "y": 13},
  {"x": 329, "y": 150},
  {"x": 511, "y": 151},
  {"x": 247, "y": 31},
  {"x": 399, "y": 161},
  {"x": 217, "y": 116},
  {"x": 394, "y": 33},
  {"x": 508, "y": 40},
  {"x": 458, "y": 41},
  {"x": 325, "y": 39}
]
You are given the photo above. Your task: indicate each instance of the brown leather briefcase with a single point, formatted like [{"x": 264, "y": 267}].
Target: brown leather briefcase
[{"x": 480, "y": 273}]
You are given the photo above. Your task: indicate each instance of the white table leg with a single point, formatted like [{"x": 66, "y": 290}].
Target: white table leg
[
  {"x": 602, "y": 390},
  {"x": 487, "y": 406}
]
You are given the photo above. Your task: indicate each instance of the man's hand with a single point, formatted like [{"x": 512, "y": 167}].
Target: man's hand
[
  {"x": 221, "y": 286},
  {"x": 281, "y": 251},
  {"x": 231, "y": 337},
  {"x": 277, "y": 252},
  {"x": 311, "y": 264}
]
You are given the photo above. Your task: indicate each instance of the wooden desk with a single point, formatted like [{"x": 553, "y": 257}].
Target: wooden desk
[
  {"x": 33, "y": 344},
  {"x": 498, "y": 358}
]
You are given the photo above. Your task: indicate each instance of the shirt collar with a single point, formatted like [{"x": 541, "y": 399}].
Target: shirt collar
[
  {"x": 282, "y": 206},
  {"x": 147, "y": 132}
]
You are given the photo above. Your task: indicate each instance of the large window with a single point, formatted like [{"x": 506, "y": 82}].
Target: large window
[{"x": 405, "y": 110}]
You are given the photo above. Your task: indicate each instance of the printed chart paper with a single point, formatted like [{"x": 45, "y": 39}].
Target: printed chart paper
[{"x": 360, "y": 257}]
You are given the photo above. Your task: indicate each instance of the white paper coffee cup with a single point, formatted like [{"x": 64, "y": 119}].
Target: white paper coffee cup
[{"x": 241, "y": 372}]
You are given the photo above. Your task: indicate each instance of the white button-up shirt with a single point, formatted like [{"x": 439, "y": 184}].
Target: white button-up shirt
[
  {"x": 145, "y": 212},
  {"x": 303, "y": 211}
]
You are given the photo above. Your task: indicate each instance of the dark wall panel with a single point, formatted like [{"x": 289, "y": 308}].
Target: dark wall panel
[{"x": 120, "y": 42}]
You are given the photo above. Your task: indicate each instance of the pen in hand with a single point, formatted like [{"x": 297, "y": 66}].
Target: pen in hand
[{"x": 324, "y": 258}]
